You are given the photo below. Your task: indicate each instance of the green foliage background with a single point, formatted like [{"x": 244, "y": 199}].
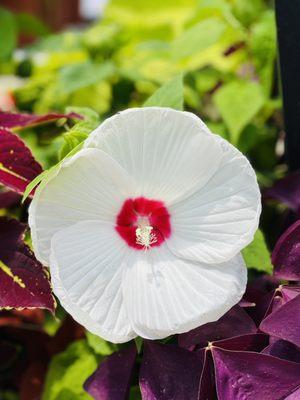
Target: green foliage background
[{"x": 225, "y": 51}]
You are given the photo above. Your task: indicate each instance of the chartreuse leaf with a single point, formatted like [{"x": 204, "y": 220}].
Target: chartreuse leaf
[
  {"x": 197, "y": 38},
  {"x": 45, "y": 176},
  {"x": 73, "y": 141},
  {"x": 99, "y": 345},
  {"x": 80, "y": 131},
  {"x": 77, "y": 76},
  {"x": 8, "y": 33},
  {"x": 257, "y": 255},
  {"x": 248, "y": 11},
  {"x": 68, "y": 371},
  {"x": 262, "y": 45},
  {"x": 155, "y": 15},
  {"x": 238, "y": 102},
  {"x": 168, "y": 95}
]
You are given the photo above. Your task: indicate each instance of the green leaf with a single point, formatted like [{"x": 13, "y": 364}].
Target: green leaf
[
  {"x": 135, "y": 393},
  {"x": 73, "y": 141},
  {"x": 248, "y": 11},
  {"x": 29, "y": 24},
  {"x": 8, "y": 395},
  {"x": 263, "y": 47},
  {"x": 99, "y": 345},
  {"x": 199, "y": 37},
  {"x": 238, "y": 102},
  {"x": 168, "y": 95},
  {"x": 47, "y": 175},
  {"x": 80, "y": 131},
  {"x": 139, "y": 343},
  {"x": 68, "y": 371},
  {"x": 257, "y": 255},
  {"x": 8, "y": 33},
  {"x": 77, "y": 76},
  {"x": 33, "y": 184}
]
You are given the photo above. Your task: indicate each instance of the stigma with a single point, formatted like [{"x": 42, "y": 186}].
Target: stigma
[{"x": 144, "y": 236}]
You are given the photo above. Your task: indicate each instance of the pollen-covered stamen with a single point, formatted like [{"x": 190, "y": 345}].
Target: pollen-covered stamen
[{"x": 144, "y": 237}]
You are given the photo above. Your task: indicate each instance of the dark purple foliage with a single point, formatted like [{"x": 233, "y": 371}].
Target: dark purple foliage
[
  {"x": 23, "y": 280},
  {"x": 287, "y": 191},
  {"x": 169, "y": 372},
  {"x": 289, "y": 292},
  {"x": 283, "y": 349},
  {"x": 207, "y": 387},
  {"x": 242, "y": 375},
  {"x": 284, "y": 323},
  {"x": 9, "y": 198},
  {"x": 286, "y": 255},
  {"x": 16, "y": 120},
  {"x": 249, "y": 342},
  {"x": 294, "y": 396},
  {"x": 111, "y": 381},
  {"x": 262, "y": 308},
  {"x": 17, "y": 165},
  {"x": 235, "y": 322}
]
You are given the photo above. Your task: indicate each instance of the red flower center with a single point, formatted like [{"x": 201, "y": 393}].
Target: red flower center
[{"x": 143, "y": 223}]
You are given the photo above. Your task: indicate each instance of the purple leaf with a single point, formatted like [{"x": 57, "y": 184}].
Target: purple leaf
[
  {"x": 17, "y": 165},
  {"x": 235, "y": 322},
  {"x": 111, "y": 380},
  {"x": 9, "y": 198},
  {"x": 277, "y": 302},
  {"x": 284, "y": 350},
  {"x": 262, "y": 285},
  {"x": 249, "y": 342},
  {"x": 207, "y": 387},
  {"x": 169, "y": 372},
  {"x": 284, "y": 323},
  {"x": 294, "y": 396},
  {"x": 289, "y": 292},
  {"x": 23, "y": 280},
  {"x": 263, "y": 307},
  {"x": 286, "y": 255},
  {"x": 244, "y": 375},
  {"x": 287, "y": 191},
  {"x": 15, "y": 120},
  {"x": 257, "y": 297}
]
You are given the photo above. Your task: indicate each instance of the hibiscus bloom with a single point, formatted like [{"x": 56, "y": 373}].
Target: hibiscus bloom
[{"x": 143, "y": 228}]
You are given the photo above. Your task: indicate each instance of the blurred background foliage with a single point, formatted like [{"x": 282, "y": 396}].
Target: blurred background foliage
[{"x": 224, "y": 50}]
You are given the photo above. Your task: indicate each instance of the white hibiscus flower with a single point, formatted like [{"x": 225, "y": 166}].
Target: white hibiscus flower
[{"x": 143, "y": 228}]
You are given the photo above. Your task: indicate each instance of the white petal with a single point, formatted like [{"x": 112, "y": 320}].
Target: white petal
[
  {"x": 90, "y": 185},
  {"x": 167, "y": 152},
  {"x": 86, "y": 274},
  {"x": 216, "y": 222},
  {"x": 165, "y": 295}
]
